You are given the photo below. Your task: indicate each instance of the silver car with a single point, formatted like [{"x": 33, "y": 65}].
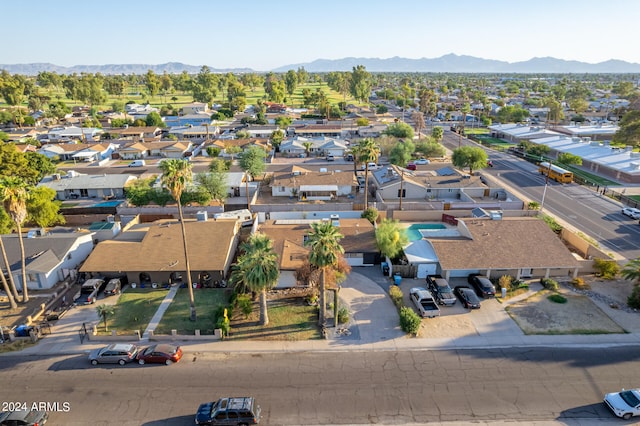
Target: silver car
[{"x": 116, "y": 353}]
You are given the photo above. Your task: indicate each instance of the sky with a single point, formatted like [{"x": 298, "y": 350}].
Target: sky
[{"x": 267, "y": 34}]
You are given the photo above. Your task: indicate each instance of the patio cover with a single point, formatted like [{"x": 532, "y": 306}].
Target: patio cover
[{"x": 312, "y": 188}]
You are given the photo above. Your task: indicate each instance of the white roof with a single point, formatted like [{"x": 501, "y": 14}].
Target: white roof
[{"x": 420, "y": 251}]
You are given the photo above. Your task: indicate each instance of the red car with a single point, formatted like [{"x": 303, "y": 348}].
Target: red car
[
  {"x": 411, "y": 166},
  {"x": 162, "y": 353}
]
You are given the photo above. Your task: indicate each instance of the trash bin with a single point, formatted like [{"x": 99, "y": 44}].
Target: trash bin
[
  {"x": 23, "y": 330},
  {"x": 385, "y": 269},
  {"x": 397, "y": 279},
  {"x": 504, "y": 292}
]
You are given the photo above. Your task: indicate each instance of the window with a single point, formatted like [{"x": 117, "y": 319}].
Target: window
[
  {"x": 404, "y": 193},
  {"x": 32, "y": 277}
]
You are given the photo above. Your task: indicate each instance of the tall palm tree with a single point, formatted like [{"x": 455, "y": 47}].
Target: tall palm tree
[
  {"x": 324, "y": 240},
  {"x": 368, "y": 151},
  {"x": 176, "y": 175},
  {"x": 257, "y": 268},
  {"x": 5, "y": 284},
  {"x": 307, "y": 147},
  {"x": 14, "y": 194}
]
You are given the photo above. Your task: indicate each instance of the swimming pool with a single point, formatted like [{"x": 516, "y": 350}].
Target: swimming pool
[
  {"x": 413, "y": 231},
  {"x": 115, "y": 203}
]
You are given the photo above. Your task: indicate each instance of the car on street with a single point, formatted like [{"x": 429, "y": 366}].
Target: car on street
[
  {"x": 484, "y": 287},
  {"x": 441, "y": 290},
  {"x": 633, "y": 213},
  {"x": 467, "y": 297},
  {"x": 421, "y": 161},
  {"x": 162, "y": 353},
  {"x": 624, "y": 404},
  {"x": 229, "y": 411},
  {"x": 23, "y": 418},
  {"x": 114, "y": 286},
  {"x": 115, "y": 353},
  {"x": 411, "y": 166}
]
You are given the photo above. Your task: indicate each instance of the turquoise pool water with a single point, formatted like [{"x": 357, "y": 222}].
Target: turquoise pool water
[
  {"x": 109, "y": 203},
  {"x": 413, "y": 231}
]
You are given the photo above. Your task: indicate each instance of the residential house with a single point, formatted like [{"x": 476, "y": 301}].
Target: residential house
[
  {"x": 139, "y": 134},
  {"x": 195, "y": 108},
  {"x": 320, "y": 146},
  {"x": 153, "y": 252},
  {"x": 73, "y": 133},
  {"x": 263, "y": 131},
  {"x": 168, "y": 149},
  {"x": 50, "y": 257},
  {"x": 21, "y": 136},
  {"x": 289, "y": 239},
  {"x": 136, "y": 111},
  {"x": 372, "y": 131},
  {"x": 95, "y": 152},
  {"x": 75, "y": 185},
  {"x": 194, "y": 132},
  {"x": 331, "y": 130},
  {"x": 66, "y": 151},
  {"x": 307, "y": 185}
]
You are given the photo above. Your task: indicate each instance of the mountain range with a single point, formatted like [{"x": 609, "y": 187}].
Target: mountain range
[{"x": 450, "y": 63}]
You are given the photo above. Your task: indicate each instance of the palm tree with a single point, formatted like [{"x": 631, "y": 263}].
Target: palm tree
[
  {"x": 5, "y": 284},
  {"x": 10, "y": 287},
  {"x": 324, "y": 240},
  {"x": 105, "y": 311},
  {"x": 307, "y": 147},
  {"x": 176, "y": 175},
  {"x": 368, "y": 151},
  {"x": 631, "y": 271},
  {"x": 14, "y": 194},
  {"x": 257, "y": 268}
]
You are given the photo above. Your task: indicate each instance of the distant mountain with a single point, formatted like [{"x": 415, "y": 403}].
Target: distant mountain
[
  {"x": 447, "y": 63},
  {"x": 110, "y": 69},
  {"x": 465, "y": 64}
]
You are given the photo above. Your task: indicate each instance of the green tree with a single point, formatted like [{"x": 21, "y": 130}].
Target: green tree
[
  {"x": 252, "y": 163},
  {"x": 382, "y": 109},
  {"x": 41, "y": 164},
  {"x": 569, "y": 159},
  {"x": 176, "y": 175},
  {"x": 360, "y": 83},
  {"x": 14, "y": 193},
  {"x": 291, "y": 81},
  {"x": 258, "y": 269},
  {"x": 371, "y": 214},
  {"x": 631, "y": 271},
  {"x": 42, "y": 207},
  {"x": 154, "y": 120},
  {"x": 400, "y": 130},
  {"x": 469, "y": 156},
  {"x": 402, "y": 152},
  {"x": 437, "y": 133},
  {"x": 152, "y": 83},
  {"x": 277, "y": 136},
  {"x": 104, "y": 312},
  {"x": 418, "y": 120},
  {"x": 366, "y": 151},
  {"x": 391, "y": 238},
  {"x": 215, "y": 183},
  {"x": 324, "y": 241}
]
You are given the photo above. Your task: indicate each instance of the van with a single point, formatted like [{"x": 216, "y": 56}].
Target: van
[{"x": 137, "y": 163}]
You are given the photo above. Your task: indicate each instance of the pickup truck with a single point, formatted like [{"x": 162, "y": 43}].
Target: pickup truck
[
  {"x": 88, "y": 291},
  {"x": 441, "y": 291},
  {"x": 424, "y": 301}
]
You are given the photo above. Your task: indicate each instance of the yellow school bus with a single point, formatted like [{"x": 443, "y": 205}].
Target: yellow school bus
[{"x": 556, "y": 173}]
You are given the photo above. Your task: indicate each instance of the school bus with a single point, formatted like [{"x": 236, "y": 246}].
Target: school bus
[{"x": 556, "y": 173}]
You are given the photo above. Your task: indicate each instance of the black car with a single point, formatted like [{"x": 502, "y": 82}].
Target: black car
[
  {"x": 114, "y": 286},
  {"x": 467, "y": 297},
  {"x": 23, "y": 418},
  {"x": 483, "y": 285},
  {"x": 229, "y": 412}
]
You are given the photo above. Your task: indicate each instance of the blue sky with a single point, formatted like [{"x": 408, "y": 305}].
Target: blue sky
[{"x": 263, "y": 34}]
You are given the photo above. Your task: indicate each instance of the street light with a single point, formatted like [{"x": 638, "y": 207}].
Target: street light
[{"x": 546, "y": 183}]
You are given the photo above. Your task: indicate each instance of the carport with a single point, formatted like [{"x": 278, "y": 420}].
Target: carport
[{"x": 318, "y": 192}]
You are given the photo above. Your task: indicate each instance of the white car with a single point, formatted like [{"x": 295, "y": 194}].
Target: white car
[
  {"x": 421, "y": 161},
  {"x": 624, "y": 404},
  {"x": 631, "y": 212}
]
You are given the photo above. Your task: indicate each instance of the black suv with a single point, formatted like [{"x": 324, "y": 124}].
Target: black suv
[
  {"x": 441, "y": 291},
  {"x": 484, "y": 287},
  {"x": 229, "y": 411}
]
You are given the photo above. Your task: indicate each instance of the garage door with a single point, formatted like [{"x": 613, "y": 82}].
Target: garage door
[
  {"x": 287, "y": 279},
  {"x": 425, "y": 269},
  {"x": 354, "y": 259}
]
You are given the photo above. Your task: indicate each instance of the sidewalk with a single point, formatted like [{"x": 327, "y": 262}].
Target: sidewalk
[{"x": 373, "y": 325}]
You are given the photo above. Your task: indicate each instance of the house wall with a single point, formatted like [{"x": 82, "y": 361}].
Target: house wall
[{"x": 281, "y": 191}]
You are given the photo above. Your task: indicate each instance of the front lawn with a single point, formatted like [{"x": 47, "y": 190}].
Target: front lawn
[
  {"x": 134, "y": 310},
  {"x": 176, "y": 317}
]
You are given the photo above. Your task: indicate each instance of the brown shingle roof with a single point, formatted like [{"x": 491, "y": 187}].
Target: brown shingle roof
[
  {"x": 510, "y": 243},
  {"x": 289, "y": 179}
]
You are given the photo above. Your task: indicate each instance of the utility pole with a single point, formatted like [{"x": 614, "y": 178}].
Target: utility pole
[
  {"x": 546, "y": 183},
  {"x": 401, "y": 187}
]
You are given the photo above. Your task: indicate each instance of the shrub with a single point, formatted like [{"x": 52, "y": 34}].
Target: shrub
[
  {"x": 549, "y": 284},
  {"x": 396, "y": 296},
  {"x": 245, "y": 304},
  {"x": 607, "y": 269},
  {"x": 343, "y": 315},
  {"x": 409, "y": 321},
  {"x": 634, "y": 300},
  {"x": 371, "y": 214},
  {"x": 579, "y": 283},
  {"x": 505, "y": 281},
  {"x": 557, "y": 298}
]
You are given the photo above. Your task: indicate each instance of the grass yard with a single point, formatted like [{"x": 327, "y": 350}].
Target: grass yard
[
  {"x": 476, "y": 131},
  {"x": 290, "y": 318},
  {"x": 134, "y": 310},
  {"x": 177, "y": 315},
  {"x": 488, "y": 140}
]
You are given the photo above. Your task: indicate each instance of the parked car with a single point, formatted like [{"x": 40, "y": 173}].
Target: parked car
[
  {"x": 114, "y": 286},
  {"x": 348, "y": 157},
  {"x": 23, "y": 418},
  {"x": 162, "y": 353},
  {"x": 484, "y": 287},
  {"x": 411, "y": 166},
  {"x": 441, "y": 290},
  {"x": 137, "y": 163},
  {"x": 467, "y": 297},
  {"x": 330, "y": 157},
  {"x": 424, "y": 302},
  {"x": 120, "y": 353},
  {"x": 631, "y": 212},
  {"x": 421, "y": 161},
  {"x": 88, "y": 291},
  {"x": 229, "y": 411},
  {"x": 624, "y": 404}
]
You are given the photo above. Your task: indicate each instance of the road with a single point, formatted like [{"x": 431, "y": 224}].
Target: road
[
  {"x": 388, "y": 387},
  {"x": 582, "y": 208}
]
